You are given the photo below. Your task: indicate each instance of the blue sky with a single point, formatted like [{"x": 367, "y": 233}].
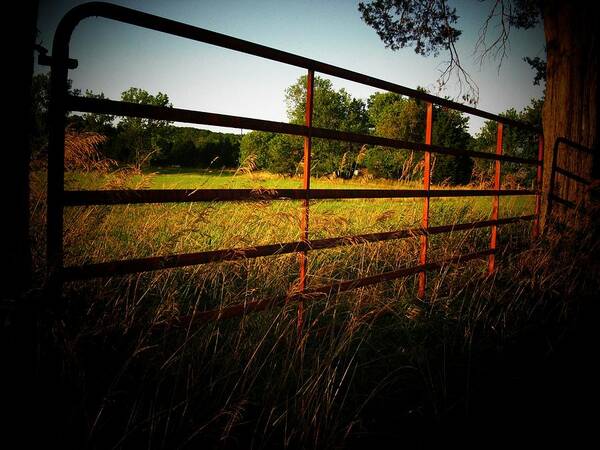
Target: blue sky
[{"x": 114, "y": 56}]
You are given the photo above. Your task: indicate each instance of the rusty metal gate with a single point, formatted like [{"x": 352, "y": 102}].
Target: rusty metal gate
[{"x": 58, "y": 198}]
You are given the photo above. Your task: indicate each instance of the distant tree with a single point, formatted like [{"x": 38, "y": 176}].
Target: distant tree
[
  {"x": 387, "y": 162},
  {"x": 233, "y": 154},
  {"x": 189, "y": 133},
  {"x": 450, "y": 129},
  {"x": 516, "y": 142},
  {"x": 138, "y": 138},
  {"x": 192, "y": 147},
  {"x": 184, "y": 153},
  {"x": 395, "y": 116},
  {"x": 40, "y": 99},
  {"x": 102, "y": 124},
  {"x": 99, "y": 123},
  {"x": 398, "y": 117},
  {"x": 285, "y": 154},
  {"x": 333, "y": 109},
  {"x": 164, "y": 147},
  {"x": 254, "y": 149}
]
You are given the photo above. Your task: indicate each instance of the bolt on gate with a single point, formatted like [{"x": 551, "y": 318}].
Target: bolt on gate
[{"x": 58, "y": 198}]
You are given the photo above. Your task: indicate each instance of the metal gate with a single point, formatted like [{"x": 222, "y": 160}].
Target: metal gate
[{"x": 58, "y": 198}]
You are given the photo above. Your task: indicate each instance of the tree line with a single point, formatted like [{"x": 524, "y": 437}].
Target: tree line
[
  {"x": 160, "y": 143},
  {"x": 388, "y": 115},
  {"x": 138, "y": 141}
]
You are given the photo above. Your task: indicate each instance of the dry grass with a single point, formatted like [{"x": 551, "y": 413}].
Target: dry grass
[
  {"x": 254, "y": 382},
  {"x": 81, "y": 152}
]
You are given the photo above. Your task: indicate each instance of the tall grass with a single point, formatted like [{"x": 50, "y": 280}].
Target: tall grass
[{"x": 255, "y": 381}]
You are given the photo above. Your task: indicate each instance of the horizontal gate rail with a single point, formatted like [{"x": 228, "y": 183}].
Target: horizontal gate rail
[
  {"x": 58, "y": 198},
  {"x": 112, "y": 268},
  {"x": 324, "y": 291},
  {"x": 103, "y": 106},
  {"x": 136, "y": 196}
]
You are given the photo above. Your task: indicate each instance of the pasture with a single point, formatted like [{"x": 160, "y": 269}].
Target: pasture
[{"x": 104, "y": 233}]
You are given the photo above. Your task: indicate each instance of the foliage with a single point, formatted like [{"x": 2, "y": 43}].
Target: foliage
[
  {"x": 394, "y": 116},
  {"x": 402, "y": 118},
  {"x": 142, "y": 135},
  {"x": 254, "y": 147},
  {"x": 143, "y": 141},
  {"x": 99, "y": 123},
  {"x": 450, "y": 130},
  {"x": 397, "y": 117},
  {"x": 40, "y": 101},
  {"x": 40, "y": 98},
  {"x": 285, "y": 154},
  {"x": 220, "y": 150},
  {"x": 391, "y": 163},
  {"x": 332, "y": 109},
  {"x": 539, "y": 67},
  {"x": 147, "y": 141},
  {"x": 192, "y": 147},
  {"x": 184, "y": 153},
  {"x": 516, "y": 142},
  {"x": 429, "y": 27}
]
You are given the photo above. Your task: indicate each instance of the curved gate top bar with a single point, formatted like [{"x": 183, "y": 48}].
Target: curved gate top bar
[
  {"x": 150, "y": 21},
  {"x": 58, "y": 198}
]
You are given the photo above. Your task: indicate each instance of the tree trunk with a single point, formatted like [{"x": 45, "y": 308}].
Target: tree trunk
[{"x": 570, "y": 107}]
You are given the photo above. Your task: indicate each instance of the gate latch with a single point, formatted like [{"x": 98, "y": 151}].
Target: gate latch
[{"x": 46, "y": 60}]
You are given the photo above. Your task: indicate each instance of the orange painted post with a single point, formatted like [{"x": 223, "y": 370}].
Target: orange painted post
[
  {"x": 426, "y": 186},
  {"x": 308, "y": 115},
  {"x": 496, "y": 201},
  {"x": 538, "y": 187}
]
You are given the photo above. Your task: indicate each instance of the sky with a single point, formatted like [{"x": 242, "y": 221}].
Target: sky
[{"x": 114, "y": 56}]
